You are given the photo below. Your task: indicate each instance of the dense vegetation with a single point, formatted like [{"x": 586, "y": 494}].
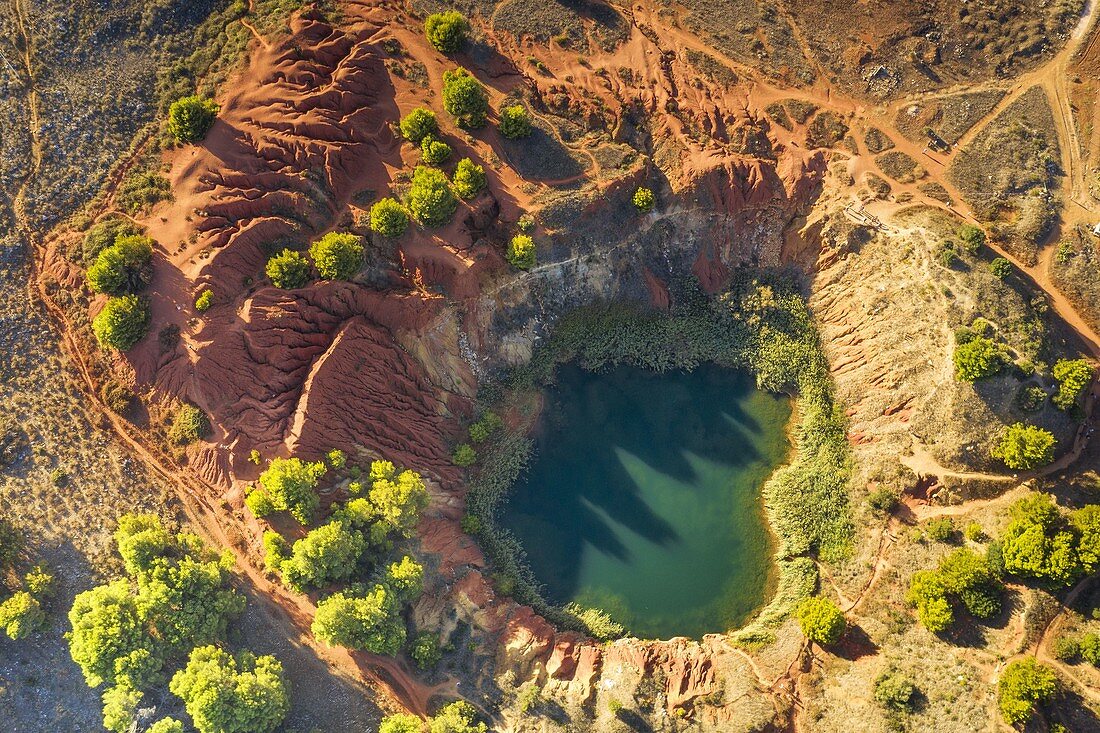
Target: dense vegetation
[
  {"x": 418, "y": 124},
  {"x": 288, "y": 485},
  {"x": 963, "y": 579},
  {"x": 464, "y": 98},
  {"x": 434, "y": 151},
  {"x": 389, "y": 218},
  {"x": 122, "y": 322},
  {"x": 515, "y": 121},
  {"x": 1024, "y": 447},
  {"x": 288, "y": 270},
  {"x": 122, "y": 267},
  {"x": 521, "y": 252},
  {"x": 469, "y": 179},
  {"x": 820, "y": 620},
  {"x": 1024, "y": 685},
  {"x": 337, "y": 256},
  {"x": 1073, "y": 377},
  {"x": 431, "y": 201},
  {"x": 1044, "y": 544},
  {"x": 190, "y": 118},
  {"x": 448, "y": 31},
  {"x": 189, "y": 425},
  {"x": 457, "y": 717},
  {"x": 643, "y": 199}
]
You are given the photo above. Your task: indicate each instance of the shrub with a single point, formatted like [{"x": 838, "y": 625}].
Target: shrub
[
  {"x": 389, "y": 218},
  {"x": 338, "y": 256},
  {"x": 226, "y": 694},
  {"x": 104, "y": 234},
  {"x": 166, "y": 725},
  {"x": 431, "y": 201},
  {"x": 939, "y": 529},
  {"x": 336, "y": 458},
  {"x": 287, "y": 270},
  {"x": 122, "y": 267},
  {"x": 326, "y": 554},
  {"x": 290, "y": 482},
  {"x": 418, "y": 124},
  {"x": 190, "y": 118},
  {"x": 361, "y": 621},
  {"x": 141, "y": 191},
  {"x": 643, "y": 199},
  {"x": 458, "y": 717},
  {"x": 821, "y": 621},
  {"x": 1067, "y": 649},
  {"x": 464, "y": 98},
  {"x": 259, "y": 503},
  {"x": 486, "y": 425},
  {"x": 972, "y": 238},
  {"x": 276, "y": 550},
  {"x": 975, "y": 533},
  {"x": 1024, "y": 447},
  {"x": 469, "y": 178},
  {"x": 946, "y": 254},
  {"x": 521, "y": 252},
  {"x": 928, "y": 593},
  {"x": 883, "y": 499},
  {"x": 1089, "y": 647},
  {"x": 977, "y": 359},
  {"x": 464, "y": 455},
  {"x": 400, "y": 723},
  {"x": 122, "y": 323},
  {"x": 434, "y": 151},
  {"x": 1023, "y": 685},
  {"x": 447, "y": 32},
  {"x": 1000, "y": 268},
  {"x": 21, "y": 614},
  {"x": 425, "y": 650},
  {"x": 1074, "y": 376},
  {"x": 515, "y": 121},
  {"x": 1039, "y": 542},
  {"x": 204, "y": 301},
  {"x": 1030, "y": 398},
  {"x": 189, "y": 425},
  {"x": 894, "y": 691}
]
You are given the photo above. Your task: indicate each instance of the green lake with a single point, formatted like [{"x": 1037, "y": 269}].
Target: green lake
[{"x": 644, "y": 496}]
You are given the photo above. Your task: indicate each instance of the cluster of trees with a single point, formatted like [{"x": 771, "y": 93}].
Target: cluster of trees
[
  {"x": 336, "y": 255},
  {"x": 457, "y": 717},
  {"x": 120, "y": 269},
  {"x": 1044, "y": 544},
  {"x": 1073, "y": 377},
  {"x": 369, "y": 616},
  {"x": 288, "y": 484},
  {"x": 820, "y": 620},
  {"x": 190, "y": 118},
  {"x": 1024, "y": 447},
  {"x": 1024, "y": 685},
  {"x": 22, "y": 613},
  {"x": 174, "y": 603},
  {"x": 963, "y": 578}
]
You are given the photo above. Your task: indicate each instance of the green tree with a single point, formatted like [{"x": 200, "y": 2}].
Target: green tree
[
  {"x": 447, "y": 32},
  {"x": 521, "y": 252},
  {"x": 204, "y": 301},
  {"x": 1039, "y": 542},
  {"x": 120, "y": 703},
  {"x": 389, "y": 218},
  {"x": 287, "y": 270},
  {"x": 434, "y": 151},
  {"x": 291, "y": 484},
  {"x": 367, "y": 620},
  {"x": 515, "y": 121},
  {"x": 1074, "y": 376},
  {"x": 226, "y": 694},
  {"x": 1000, "y": 268},
  {"x": 166, "y": 725},
  {"x": 397, "y": 499},
  {"x": 21, "y": 614},
  {"x": 1024, "y": 447},
  {"x": 464, "y": 98},
  {"x": 122, "y": 267},
  {"x": 190, "y": 118},
  {"x": 977, "y": 359},
  {"x": 106, "y": 625},
  {"x": 425, "y": 651},
  {"x": 104, "y": 234},
  {"x": 122, "y": 323},
  {"x": 643, "y": 199},
  {"x": 967, "y": 576},
  {"x": 894, "y": 691},
  {"x": 469, "y": 178},
  {"x": 431, "y": 201},
  {"x": 929, "y": 594},
  {"x": 418, "y": 124},
  {"x": 1086, "y": 522},
  {"x": 400, "y": 723},
  {"x": 821, "y": 621},
  {"x": 338, "y": 256},
  {"x": 972, "y": 238},
  {"x": 1024, "y": 685},
  {"x": 190, "y": 424},
  {"x": 329, "y": 553},
  {"x": 458, "y": 717}
]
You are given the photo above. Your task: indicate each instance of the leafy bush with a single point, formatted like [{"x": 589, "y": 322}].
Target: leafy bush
[
  {"x": 326, "y": 554},
  {"x": 963, "y": 577},
  {"x": 431, "y": 201},
  {"x": 883, "y": 499},
  {"x": 227, "y": 694},
  {"x": 643, "y": 199},
  {"x": 434, "y": 151},
  {"x": 190, "y": 118},
  {"x": 122, "y": 267},
  {"x": 975, "y": 533},
  {"x": 418, "y": 124},
  {"x": 515, "y": 121},
  {"x": 1023, "y": 686},
  {"x": 21, "y": 614},
  {"x": 469, "y": 179},
  {"x": 485, "y": 426},
  {"x": 521, "y": 252},
  {"x": 1040, "y": 543},
  {"x": 894, "y": 691},
  {"x": 287, "y": 270},
  {"x": 464, "y": 98},
  {"x": 1066, "y": 649},
  {"x": 290, "y": 483},
  {"x": 259, "y": 503},
  {"x": 977, "y": 359},
  {"x": 820, "y": 620},
  {"x": 338, "y": 256},
  {"x": 1074, "y": 377},
  {"x": 447, "y": 32},
  {"x": 104, "y": 234},
  {"x": 1024, "y": 447},
  {"x": 389, "y": 218},
  {"x": 140, "y": 191},
  {"x": 972, "y": 238},
  {"x": 464, "y": 455},
  {"x": 204, "y": 301},
  {"x": 1000, "y": 268},
  {"x": 458, "y": 717},
  {"x": 939, "y": 529},
  {"x": 166, "y": 725},
  {"x": 1030, "y": 398},
  {"x": 189, "y": 425},
  {"x": 1089, "y": 649},
  {"x": 400, "y": 723},
  {"x": 336, "y": 458},
  {"x": 425, "y": 650},
  {"x": 370, "y": 619},
  {"x": 122, "y": 323}
]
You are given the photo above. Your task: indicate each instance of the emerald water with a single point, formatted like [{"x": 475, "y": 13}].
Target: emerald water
[{"x": 644, "y": 497}]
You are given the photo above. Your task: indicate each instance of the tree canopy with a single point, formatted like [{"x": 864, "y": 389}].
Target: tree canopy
[
  {"x": 643, "y": 199},
  {"x": 122, "y": 267},
  {"x": 434, "y": 151},
  {"x": 389, "y": 218},
  {"x": 418, "y": 124},
  {"x": 962, "y": 578},
  {"x": 328, "y": 553},
  {"x": 821, "y": 621},
  {"x": 122, "y": 323},
  {"x": 465, "y": 98},
  {"x": 1024, "y": 685},
  {"x": 290, "y": 483},
  {"x": 1073, "y": 376},
  {"x": 469, "y": 179},
  {"x": 431, "y": 201},
  {"x": 1041, "y": 543},
  {"x": 232, "y": 694},
  {"x": 287, "y": 270},
  {"x": 1024, "y": 447},
  {"x": 338, "y": 256},
  {"x": 515, "y": 121},
  {"x": 521, "y": 252},
  {"x": 190, "y": 118},
  {"x": 448, "y": 31},
  {"x": 977, "y": 359}
]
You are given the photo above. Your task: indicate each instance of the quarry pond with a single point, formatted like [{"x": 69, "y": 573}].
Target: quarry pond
[{"x": 644, "y": 497}]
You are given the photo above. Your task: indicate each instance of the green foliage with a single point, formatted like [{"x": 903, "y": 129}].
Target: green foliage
[
  {"x": 939, "y": 529},
  {"x": 1024, "y": 447},
  {"x": 389, "y": 218},
  {"x": 643, "y": 199},
  {"x": 338, "y": 256},
  {"x": 464, "y": 455},
  {"x": 521, "y": 252},
  {"x": 425, "y": 651},
  {"x": 21, "y": 614},
  {"x": 464, "y": 98},
  {"x": 259, "y": 503},
  {"x": 166, "y": 725},
  {"x": 276, "y": 550},
  {"x": 140, "y": 191},
  {"x": 447, "y": 32},
  {"x": 894, "y": 691},
  {"x": 291, "y": 484},
  {"x": 978, "y": 358},
  {"x": 515, "y": 121},
  {"x": 595, "y": 621},
  {"x": 227, "y": 694},
  {"x": 336, "y": 458},
  {"x": 883, "y": 499},
  {"x": 204, "y": 301},
  {"x": 1040, "y": 543},
  {"x": 972, "y": 238},
  {"x": 974, "y": 532},
  {"x": 326, "y": 554},
  {"x": 963, "y": 577},
  {"x": 469, "y": 179},
  {"x": 190, "y": 118},
  {"x": 928, "y": 593},
  {"x": 1000, "y": 268},
  {"x": 1073, "y": 378},
  {"x": 120, "y": 703},
  {"x": 1030, "y": 398},
  {"x": 122, "y": 267},
  {"x": 363, "y": 619},
  {"x": 122, "y": 323},
  {"x": 287, "y": 270},
  {"x": 458, "y": 717},
  {"x": 820, "y": 620},
  {"x": 485, "y": 426},
  {"x": 434, "y": 151},
  {"x": 1066, "y": 648},
  {"x": 400, "y": 723},
  {"x": 1089, "y": 649},
  {"x": 189, "y": 425},
  {"x": 104, "y": 234},
  {"x": 1024, "y": 685},
  {"x": 397, "y": 498},
  {"x": 419, "y": 124},
  {"x": 431, "y": 201}
]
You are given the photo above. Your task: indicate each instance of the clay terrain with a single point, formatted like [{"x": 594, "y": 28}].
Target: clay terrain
[{"x": 839, "y": 144}]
